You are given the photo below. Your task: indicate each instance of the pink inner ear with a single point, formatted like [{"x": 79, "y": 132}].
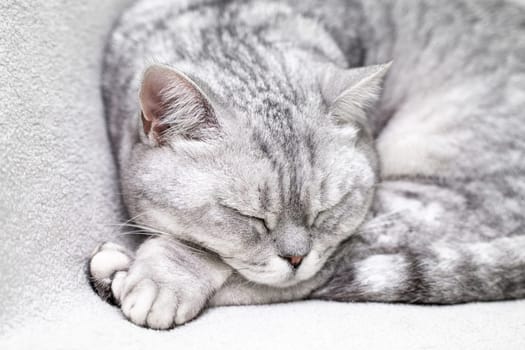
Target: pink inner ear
[
  {"x": 156, "y": 81},
  {"x": 146, "y": 124},
  {"x": 170, "y": 100}
]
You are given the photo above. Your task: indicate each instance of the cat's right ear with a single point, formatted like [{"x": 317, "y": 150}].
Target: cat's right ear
[
  {"x": 173, "y": 106},
  {"x": 351, "y": 93}
]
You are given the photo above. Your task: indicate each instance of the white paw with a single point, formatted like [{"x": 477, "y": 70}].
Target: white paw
[
  {"x": 107, "y": 268},
  {"x": 158, "y": 305},
  {"x": 150, "y": 290}
]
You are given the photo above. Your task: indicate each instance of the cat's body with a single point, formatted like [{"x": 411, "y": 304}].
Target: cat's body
[{"x": 285, "y": 134}]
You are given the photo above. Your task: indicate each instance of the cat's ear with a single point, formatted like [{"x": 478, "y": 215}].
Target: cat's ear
[
  {"x": 172, "y": 105},
  {"x": 352, "y": 92}
]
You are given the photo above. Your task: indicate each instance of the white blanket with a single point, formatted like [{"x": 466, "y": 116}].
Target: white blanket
[{"x": 59, "y": 197}]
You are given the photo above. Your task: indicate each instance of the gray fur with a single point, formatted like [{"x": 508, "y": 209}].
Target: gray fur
[{"x": 285, "y": 162}]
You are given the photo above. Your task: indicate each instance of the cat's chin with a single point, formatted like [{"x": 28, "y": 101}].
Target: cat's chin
[
  {"x": 280, "y": 275},
  {"x": 288, "y": 280},
  {"x": 294, "y": 280},
  {"x": 286, "y": 284},
  {"x": 271, "y": 280}
]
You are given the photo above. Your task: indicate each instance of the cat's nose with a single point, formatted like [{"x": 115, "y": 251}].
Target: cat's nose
[{"x": 294, "y": 260}]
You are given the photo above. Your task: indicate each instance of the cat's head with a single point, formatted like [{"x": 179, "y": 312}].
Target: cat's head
[{"x": 273, "y": 189}]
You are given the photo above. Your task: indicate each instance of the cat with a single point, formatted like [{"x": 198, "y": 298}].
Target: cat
[{"x": 349, "y": 150}]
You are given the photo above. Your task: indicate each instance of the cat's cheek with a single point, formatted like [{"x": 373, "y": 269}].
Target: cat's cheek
[
  {"x": 276, "y": 272},
  {"x": 310, "y": 266}
]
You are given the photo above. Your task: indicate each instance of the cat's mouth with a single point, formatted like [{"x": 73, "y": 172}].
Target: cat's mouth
[{"x": 278, "y": 272}]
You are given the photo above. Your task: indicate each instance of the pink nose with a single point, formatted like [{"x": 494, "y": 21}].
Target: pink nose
[{"x": 294, "y": 260}]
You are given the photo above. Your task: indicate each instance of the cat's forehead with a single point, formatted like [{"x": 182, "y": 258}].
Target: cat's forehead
[
  {"x": 287, "y": 157},
  {"x": 292, "y": 178}
]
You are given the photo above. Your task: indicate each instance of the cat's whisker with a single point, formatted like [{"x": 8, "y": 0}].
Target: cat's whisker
[
  {"x": 149, "y": 231},
  {"x": 125, "y": 222}
]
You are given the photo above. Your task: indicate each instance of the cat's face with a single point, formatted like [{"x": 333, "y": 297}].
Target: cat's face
[{"x": 254, "y": 190}]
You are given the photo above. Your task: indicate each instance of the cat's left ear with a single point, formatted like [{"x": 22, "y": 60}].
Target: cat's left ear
[
  {"x": 350, "y": 93},
  {"x": 173, "y": 106}
]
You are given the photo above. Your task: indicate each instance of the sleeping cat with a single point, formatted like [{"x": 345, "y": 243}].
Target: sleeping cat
[{"x": 273, "y": 153}]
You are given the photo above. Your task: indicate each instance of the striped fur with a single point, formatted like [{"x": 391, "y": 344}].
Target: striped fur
[{"x": 291, "y": 166}]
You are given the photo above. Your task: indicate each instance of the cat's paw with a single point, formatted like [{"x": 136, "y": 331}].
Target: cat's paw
[
  {"x": 108, "y": 266},
  {"x": 153, "y": 301},
  {"x": 159, "y": 287}
]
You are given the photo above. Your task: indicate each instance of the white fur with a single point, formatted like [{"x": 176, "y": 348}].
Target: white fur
[
  {"x": 107, "y": 261},
  {"x": 423, "y": 140},
  {"x": 381, "y": 272}
]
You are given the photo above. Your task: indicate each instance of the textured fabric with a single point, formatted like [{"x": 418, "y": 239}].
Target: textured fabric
[
  {"x": 58, "y": 186},
  {"x": 59, "y": 197}
]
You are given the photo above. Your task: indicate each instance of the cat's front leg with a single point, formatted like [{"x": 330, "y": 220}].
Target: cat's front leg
[{"x": 164, "y": 285}]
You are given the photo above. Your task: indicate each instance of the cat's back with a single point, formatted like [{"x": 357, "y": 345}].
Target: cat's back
[
  {"x": 472, "y": 47},
  {"x": 455, "y": 89}
]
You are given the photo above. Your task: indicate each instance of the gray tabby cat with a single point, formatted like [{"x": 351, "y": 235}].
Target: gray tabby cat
[{"x": 268, "y": 167}]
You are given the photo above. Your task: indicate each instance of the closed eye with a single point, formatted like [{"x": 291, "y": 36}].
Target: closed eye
[
  {"x": 251, "y": 217},
  {"x": 320, "y": 217},
  {"x": 323, "y": 214}
]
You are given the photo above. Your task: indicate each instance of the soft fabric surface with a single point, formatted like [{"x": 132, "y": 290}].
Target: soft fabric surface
[{"x": 59, "y": 197}]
